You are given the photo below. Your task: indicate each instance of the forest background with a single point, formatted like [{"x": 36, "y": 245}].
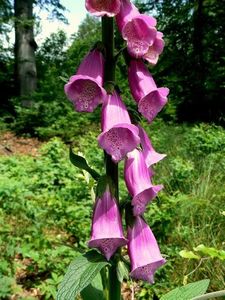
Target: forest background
[{"x": 46, "y": 203}]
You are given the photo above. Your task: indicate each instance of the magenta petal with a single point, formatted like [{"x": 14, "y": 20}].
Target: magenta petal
[
  {"x": 119, "y": 136},
  {"x": 85, "y": 93},
  {"x": 107, "y": 232},
  {"x": 138, "y": 181},
  {"x": 141, "y": 200},
  {"x": 119, "y": 140},
  {"x": 143, "y": 251},
  {"x": 136, "y": 173},
  {"x": 100, "y": 8},
  {"x": 127, "y": 12},
  {"x": 139, "y": 36},
  {"x": 85, "y": 88},
  {"x": 152, "y": 104},
  {"x": 155, "y": 50},
  {"x": 150, "y": 99},
  {"x": 150, "y": 155},
  {"x": 151, "y": 172},
  {"x": 114, "y": 112},
  {"x": 93, "y": 66},
  {"x": 164, "y": 91},
  {"x": 137, "y": 29},
  {"x": 140, "y": 80},
  {"x": 149, "y": 20}
]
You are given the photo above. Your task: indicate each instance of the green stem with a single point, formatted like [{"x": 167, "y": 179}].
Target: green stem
[
  {"x": 104, "y": 277},
  {"x": 114, "y": 285}
]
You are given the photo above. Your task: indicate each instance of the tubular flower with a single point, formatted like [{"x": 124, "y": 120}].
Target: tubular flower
[
  {"x": 143, "y": 251},
  {"x": 150, "y": 155},
  {"x": 118, "y": 135},
  {"x": 107, "y": 233},
  {"x": 138, "y": 182},
  {"x": 137, "y": 29},
  {"x": 155, "y": 50},
  {"x": 85, "y": 88},
  {"x": 100, "y": 8},
  {"x": 150, "y": 99}
]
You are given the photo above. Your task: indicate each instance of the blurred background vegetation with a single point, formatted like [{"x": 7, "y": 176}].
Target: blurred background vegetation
[{"x": 46, "y": 203}]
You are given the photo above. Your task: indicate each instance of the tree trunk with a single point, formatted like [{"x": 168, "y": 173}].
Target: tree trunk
[
  {"x": 198, "y": 60},
  {"x": 25, "y": 46}
]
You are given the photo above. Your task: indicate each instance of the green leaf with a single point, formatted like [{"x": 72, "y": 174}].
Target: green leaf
[
  {"x": 80, "y": 274},
  {"x": 210, "y": 251},
  {"x": 81, "y": 163},
  {"x": 122, "y": 271},
  {"x": 93, "y": 291},
  {"x": 188, "y": 291},
  {"x": 188, "y": 254}
]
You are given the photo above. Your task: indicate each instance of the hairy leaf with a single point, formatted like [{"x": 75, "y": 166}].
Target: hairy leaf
[
  {"x": 93, "y": 291},
  {"x": 188, "y": 291},
  {"x": 80, "y": 274}
]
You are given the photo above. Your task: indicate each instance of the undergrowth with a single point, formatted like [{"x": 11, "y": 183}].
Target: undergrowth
[{"x": 45, "y": 209}]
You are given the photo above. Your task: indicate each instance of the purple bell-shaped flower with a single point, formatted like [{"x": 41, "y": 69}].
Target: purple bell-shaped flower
[
  {"x": 143, "y": 251},
  {"x": 118, "y": 135},
  {"x": 138, "y": 181},
  {"x": 149, "y": 97},
  {"x": 85, "y": 89},
  {"x": 106, "y": 232}
]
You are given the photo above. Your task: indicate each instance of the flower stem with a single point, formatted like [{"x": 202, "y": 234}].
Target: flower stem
[{"x": 114, "y": 285}]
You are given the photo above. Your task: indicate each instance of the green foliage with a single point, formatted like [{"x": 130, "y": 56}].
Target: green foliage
[
  {"x": 122, "y": 271},
  {"x": 188, "y": 291},
  {"x": 46, "y": 205},
  {"x": 81, "y": 163},
  {"x": 204, "y": 251},
  {"x": 6, "y": 284},
  {"x": 189, "y": 28},
  {"x": 94, "y": 290},
  {"x": 189, "y": 31},
  {"x": 42, "y": 209},
  {"x": 80, "y": 274},
  {"x": 52, "y": 114}
]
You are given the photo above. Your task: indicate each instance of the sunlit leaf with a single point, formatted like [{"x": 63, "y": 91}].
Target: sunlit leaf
[
  {"x": 188, "y": 254},
  {"x": 80, "y": 274},
  {"x": 188, "y": 291}
]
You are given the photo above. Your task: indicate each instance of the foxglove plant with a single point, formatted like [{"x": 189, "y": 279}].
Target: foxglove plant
[
  {"x": 85, "y": 89},
  {"x": 94, "y": 84}
]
